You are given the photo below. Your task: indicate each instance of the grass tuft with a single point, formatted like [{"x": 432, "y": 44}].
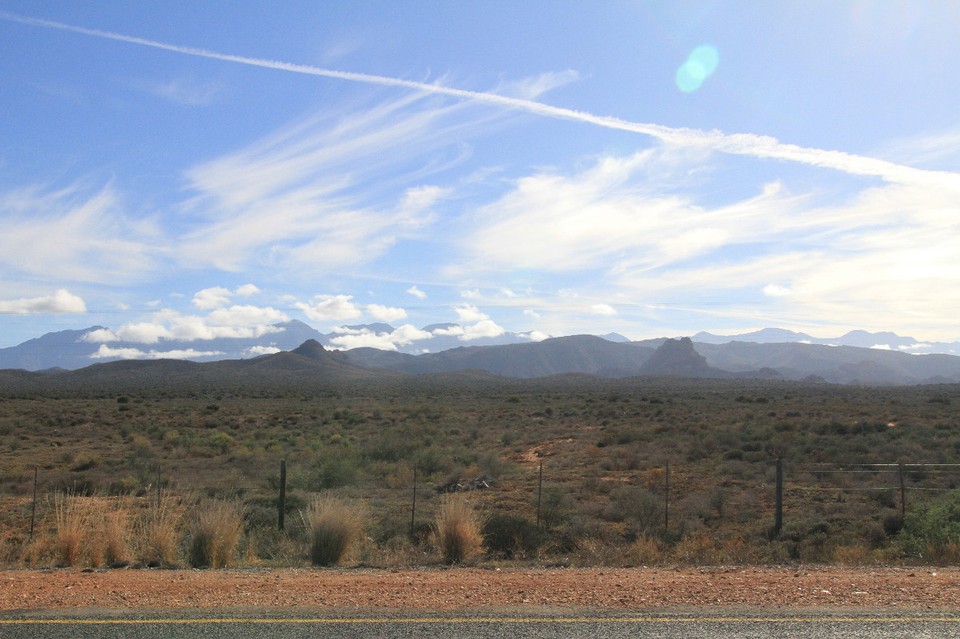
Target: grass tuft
[
  {"x": 333, "y": 525},
  {"x": 159, "y": 531},
  {"x": 71, "y": 528},
  {"x": 458, "y": 527},
  {"x": 215, "y": 534}
]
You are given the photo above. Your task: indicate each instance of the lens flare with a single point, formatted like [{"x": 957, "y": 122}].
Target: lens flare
[{"x": 700, "y": 65}]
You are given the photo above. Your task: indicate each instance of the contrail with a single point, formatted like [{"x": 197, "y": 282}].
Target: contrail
[{"x": 736, "y": 144}]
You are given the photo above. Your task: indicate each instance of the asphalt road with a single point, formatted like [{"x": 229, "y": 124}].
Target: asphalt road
[{"x": 712, "y": 623}]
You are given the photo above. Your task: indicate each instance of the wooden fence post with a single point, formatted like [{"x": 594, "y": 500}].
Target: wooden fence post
[{"x": 539, "y": 494}]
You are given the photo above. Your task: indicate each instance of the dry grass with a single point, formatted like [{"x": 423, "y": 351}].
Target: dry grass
[
  {"x": 215, "y": 534},
  {"x": 158, "y": 531},
  {"x": 72, "y": 524},
  {"x": 116, "y": 535},
  {"x": 697, "y": 549},
  {"x": 458, "y": 528},
  {"x": 333, "y": 525},
  {"x": 645, "y": 551}
]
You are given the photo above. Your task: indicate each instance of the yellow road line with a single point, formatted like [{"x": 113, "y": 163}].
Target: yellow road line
[{"x": 484, "y": 620}]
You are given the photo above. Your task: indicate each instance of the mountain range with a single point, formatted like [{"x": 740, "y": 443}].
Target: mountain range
[{"x": 295, "y": 348}]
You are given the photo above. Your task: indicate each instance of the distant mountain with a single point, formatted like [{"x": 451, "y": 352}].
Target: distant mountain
[
  {"x": 309, "y": 365},
  {"x": 677, "y": 358},
  {"x": 576, "y": 354},
  {"x": 75, "y": 349},
  {"x": 860, "y": 339},
  {"x": 63, "y": 349},
  {"x": 764, "y": 336},
  {"x": 305, "y": 351}
]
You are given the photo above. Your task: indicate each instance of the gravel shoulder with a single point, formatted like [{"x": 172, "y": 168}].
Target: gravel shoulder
[{"x": 463, "y": 588}]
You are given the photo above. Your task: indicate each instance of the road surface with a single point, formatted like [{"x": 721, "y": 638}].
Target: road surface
[{"x": 712, "y": 623}]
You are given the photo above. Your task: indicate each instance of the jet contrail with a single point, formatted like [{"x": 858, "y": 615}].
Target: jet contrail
[{"x": 758, "y": 146}]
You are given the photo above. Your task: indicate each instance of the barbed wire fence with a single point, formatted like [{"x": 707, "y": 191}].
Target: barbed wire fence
[{"x": 797, "y": 490}]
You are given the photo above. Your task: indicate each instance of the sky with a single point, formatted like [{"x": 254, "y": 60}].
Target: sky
[{"x": 198, "y": 169}]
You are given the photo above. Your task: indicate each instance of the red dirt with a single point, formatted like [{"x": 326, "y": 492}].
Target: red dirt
[{"x": 447, "y": 589}]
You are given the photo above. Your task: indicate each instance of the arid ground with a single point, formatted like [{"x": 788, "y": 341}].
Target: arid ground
[{"x": 453, "y": 588}]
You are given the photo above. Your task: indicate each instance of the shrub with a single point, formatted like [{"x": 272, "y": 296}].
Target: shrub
[
  {"x": 510, "y": 535},
  {"x": 333, "y": 525},
  {"x": 215, "y": 534},
  {"x": 554, "y": 508},
  {"x": 932, "y": 531},
  {"x": 458, "y": 528},
  {"x": 334, "y": 471}
]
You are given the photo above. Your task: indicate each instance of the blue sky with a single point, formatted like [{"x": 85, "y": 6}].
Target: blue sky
[{"x": 189, "y": 170}]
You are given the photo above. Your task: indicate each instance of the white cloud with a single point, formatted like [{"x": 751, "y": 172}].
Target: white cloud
[
  {"x": 416, "y": 204},
  {"x": 473, "y": 294},
  {"x": 482, "y": 329},
  {"x": 256, "y": 351},
  {"x": 106, "y": 352},
  {"x": 312, "y": 197},
  {"x": 385, "y": 313},
  {"x": 536, "y": 336},
  {"x": 366, "y": 339},
  {"x": 602, "y": 309},
  {"x": 61, "y": 302},
  {"x": 81, "y": 236},
  {"x": 138, "y": 333},
  {"x": 348, "y": 338},
  {"x": 218, "y": 296},
  {"x": 211, "y": 298},
  {"x": 470, "y": 313},
  {"x": 218, "y": 325},
  {"x": 450, "y": 331},
  {"x": 775, "y": 290},
  {"x": 408, "y": 333},
  {"x": 532, "y": 314},
  {"x": 247, "y": 290},
  {"x": 417, "y": 293},
  {"x": 758, "y": 146},
  {"x": 534, "y": 87},
  {"x": 326, "y": 308},
  {"x": 246, "y": 315},
  {"x": 240, "y": 322}
]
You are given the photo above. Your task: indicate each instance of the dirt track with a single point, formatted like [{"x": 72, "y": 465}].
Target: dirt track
[{"x": 445, "y": 589}]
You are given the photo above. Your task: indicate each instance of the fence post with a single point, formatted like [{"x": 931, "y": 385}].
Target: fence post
[
  {"x": 413, "y": 508},
  {"x": 666, "y": 500},
  {"x": 778, "y": 521},
  {"x": 282, "y": 503},
  {"x": 158, "y": 488},
  {"x": 33, "y": 509},
  {"x": 539, "y": 493}
]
